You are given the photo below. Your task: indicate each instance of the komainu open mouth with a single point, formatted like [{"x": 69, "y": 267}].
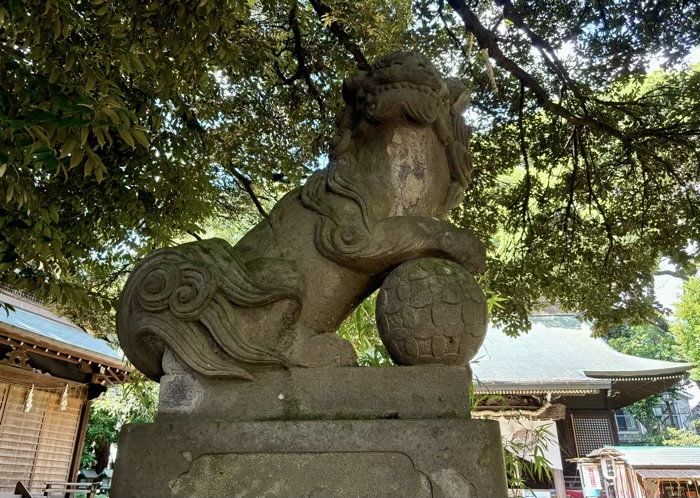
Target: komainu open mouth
[
  {"x": 403, "y": 85},
  {"x": 430, "y": 92}
]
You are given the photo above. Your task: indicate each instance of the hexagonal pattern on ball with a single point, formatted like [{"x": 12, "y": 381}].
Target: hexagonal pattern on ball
[{"x": 431, "y": 311}]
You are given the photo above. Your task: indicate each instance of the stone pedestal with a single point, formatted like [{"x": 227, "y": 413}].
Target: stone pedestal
[{"x": 341, "y": 432}]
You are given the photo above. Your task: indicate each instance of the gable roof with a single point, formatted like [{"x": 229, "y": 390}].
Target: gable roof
[
  {"x": 559, "y": 354},
  {"x": 35, "y": 323}
]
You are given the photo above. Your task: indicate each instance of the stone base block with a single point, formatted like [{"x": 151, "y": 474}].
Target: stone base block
[
  {"x": 313, "y": 458},
  {"x": 426, "y": 392}
]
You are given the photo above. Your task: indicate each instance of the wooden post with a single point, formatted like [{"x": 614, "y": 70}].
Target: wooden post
[
  {"x": 79, "y": 440},
  {"x": 559, "y": 484}
]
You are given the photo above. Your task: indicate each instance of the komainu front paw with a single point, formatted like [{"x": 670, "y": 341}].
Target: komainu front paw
[
  {"x": 463, "y": 247},
  {"x": 325, "y": 350}
]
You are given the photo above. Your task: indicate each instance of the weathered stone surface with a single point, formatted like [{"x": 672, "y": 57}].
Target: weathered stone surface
[
  {"x": 285, "y": 459},
  {"x": 431, "y": 311},
  {"x": 388, "y": 474},
  {"x": 398, "y": 165},
  {"x": 329, "y": 393}
]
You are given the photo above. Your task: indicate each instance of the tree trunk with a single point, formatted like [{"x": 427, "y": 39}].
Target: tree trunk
[{"x": 102, "y": 456}]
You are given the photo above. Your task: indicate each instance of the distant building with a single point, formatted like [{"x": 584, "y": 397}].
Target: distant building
[
  {"x": 560, "y": 377},
  {"x": 672, "y": 411},
  {"x": 643, "y": 471},
  {"x": 50, "y": 370}
]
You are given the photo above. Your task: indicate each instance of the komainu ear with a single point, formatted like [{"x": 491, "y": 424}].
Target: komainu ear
[{"x": 460, "y": 95}]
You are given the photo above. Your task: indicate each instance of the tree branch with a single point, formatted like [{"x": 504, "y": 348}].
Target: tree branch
[
  {"x": 683, "y": 274},
  {"x": 545, "y": 48},
  {"x": 300, "y": 53},
  {"x": 286, "y": 80},
  {"x": 523, "y": 150},
  {"x": 572, "y": 188},
  {"x": 455, "y": 41},
  {"x": 247, "y": 186},
  {"x": 599, "y": 205},
  {"x": 341, "y": 35},
  {"x": 486, "y": 39}
]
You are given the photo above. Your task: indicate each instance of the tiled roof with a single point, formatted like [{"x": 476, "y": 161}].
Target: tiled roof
[
  {"x": 658, "y": 456},
  {"x": 669, "y": 474},
  {"x": 559, "y": 351},
  {"x": 57, "y": 331}
]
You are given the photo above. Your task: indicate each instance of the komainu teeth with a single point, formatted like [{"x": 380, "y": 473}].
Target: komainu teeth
[{"x": 399, "y": 85}]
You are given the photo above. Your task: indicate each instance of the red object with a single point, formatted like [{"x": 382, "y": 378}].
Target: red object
[{"x": 574, "y": 494}]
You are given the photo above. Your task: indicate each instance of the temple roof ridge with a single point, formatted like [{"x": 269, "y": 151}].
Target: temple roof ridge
[{"x": 559, "y": 349}]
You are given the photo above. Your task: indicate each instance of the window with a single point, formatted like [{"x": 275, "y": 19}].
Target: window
[
  {"x": 669, "y": 413},
  {"x": 592, "y": 431},
  {"x": 626, "y": 422}
]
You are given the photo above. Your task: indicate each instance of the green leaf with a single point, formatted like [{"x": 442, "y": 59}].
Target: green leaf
[
  {"x": 70, "y": 60},
  {"x": 50, "y": 164},
  {"x": 18, "y": 223},
  {"x": 140, "y": 137},
  {"x": 137, "y": 62},
  {"x": 124, "y": 60},
  {"x": 76, "y": 158},
  {"x": 126, "y": 136},
  {"x": 99, "y": 134},
  {"x": 91, "y": 82},
  {"x": 67, "y": 148},
  {"x": 89, "y": 166},
  {"x": 111, "y": 114},
  {"x": 72, "y": 122},
  {"x": 84, "y": 132},
  {"x": 61, "y": 101}
]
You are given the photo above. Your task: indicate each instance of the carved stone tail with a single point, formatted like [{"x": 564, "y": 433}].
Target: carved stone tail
[{"x": 181, "y": 298}]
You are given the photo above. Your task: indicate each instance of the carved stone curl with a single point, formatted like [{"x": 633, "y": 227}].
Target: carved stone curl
[{"x": 399, "y": 163}]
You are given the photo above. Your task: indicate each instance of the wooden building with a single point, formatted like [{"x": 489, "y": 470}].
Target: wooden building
[
  {"x": 50, "y": 370},
  {"x": 559, "y": 376},
  {"x": 643, "y": 471}
]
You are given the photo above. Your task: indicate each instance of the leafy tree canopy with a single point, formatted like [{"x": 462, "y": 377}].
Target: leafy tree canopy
[
  {"x": 684, "y": 437},
  {"x": 687, "y": 325},
  {"x": 127, "y": 125},
  {"x": 133, "y": 402},
  {"x": 661, "y": 342},
  {"x": 646, "y": 341},
  {"x": 653, "y": 341}
]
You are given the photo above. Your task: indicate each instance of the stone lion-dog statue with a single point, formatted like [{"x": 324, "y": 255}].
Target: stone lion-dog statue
[{"x": 399, "y": 163}]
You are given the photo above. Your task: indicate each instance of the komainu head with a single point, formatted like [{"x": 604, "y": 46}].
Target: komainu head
[
  {"x": 398, "y": 85},
  {"x": 406, "y": 86}
]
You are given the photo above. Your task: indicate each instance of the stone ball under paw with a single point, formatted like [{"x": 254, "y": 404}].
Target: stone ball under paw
[{"x": 431, "y": 312}]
